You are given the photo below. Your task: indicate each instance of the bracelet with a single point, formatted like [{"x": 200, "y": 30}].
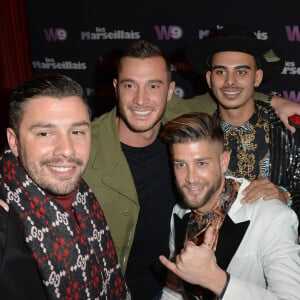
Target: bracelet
[
  {"x": 289, "y": 201},
  {"x": 270, "y": 96},
  {"x": 225, "y": 285}
]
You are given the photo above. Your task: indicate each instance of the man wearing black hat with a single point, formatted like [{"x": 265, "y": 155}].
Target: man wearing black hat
[{"x": 235, "y": 62}]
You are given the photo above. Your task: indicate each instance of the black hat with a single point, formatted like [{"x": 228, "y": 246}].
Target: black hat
[{"x": 234, "y": 37}]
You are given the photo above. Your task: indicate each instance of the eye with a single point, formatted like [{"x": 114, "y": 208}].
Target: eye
[
  {"x": 179, "y": 165},
  {"x": 154, "y": 85},
  {"x": 78, "y": 132},
  {"x": 220, "y": 72},
  {"x": 128, "y": 85},
  {"x": 202, "y": 164},
  {"x": 241, "y": 72},
  {"x": 43, "y": 134}
]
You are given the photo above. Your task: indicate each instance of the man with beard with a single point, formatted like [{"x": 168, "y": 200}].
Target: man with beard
[
  {"x": 231, "y": 250},
  {"x": 64, "y": 249}
]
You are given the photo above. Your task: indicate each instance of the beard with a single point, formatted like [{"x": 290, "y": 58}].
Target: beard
[
  {"x": 39, "y": 174},
  {"x": 198, "y": 202}
]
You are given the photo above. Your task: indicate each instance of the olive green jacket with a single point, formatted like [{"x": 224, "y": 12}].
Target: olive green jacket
[{"x": 109, "y": 176}]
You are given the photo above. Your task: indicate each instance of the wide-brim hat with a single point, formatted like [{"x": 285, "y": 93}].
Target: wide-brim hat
[{"x": 235, "y": 37}]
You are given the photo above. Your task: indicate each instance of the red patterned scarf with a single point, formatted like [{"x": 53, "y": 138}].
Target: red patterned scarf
[{"x": 76, "y": 258}]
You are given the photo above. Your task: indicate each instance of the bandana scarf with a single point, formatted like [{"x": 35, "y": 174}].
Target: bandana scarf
[
  {"x": 199, "y": 222},
  {"x": 75, "y": 260}
]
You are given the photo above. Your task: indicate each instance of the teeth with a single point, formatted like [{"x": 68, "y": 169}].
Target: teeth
[
  {"x": 142, "y": 113},
  {"x": 232, "y": 93},
  {"x": 194, "y": 188},
  {"x": 61, "y": 169}
]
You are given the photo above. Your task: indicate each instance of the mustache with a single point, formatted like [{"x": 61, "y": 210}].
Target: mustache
[{"x": 59, "y": 160}]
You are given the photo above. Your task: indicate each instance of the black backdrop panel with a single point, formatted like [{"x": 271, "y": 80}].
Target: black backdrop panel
[{"x": 83, "y": 39}]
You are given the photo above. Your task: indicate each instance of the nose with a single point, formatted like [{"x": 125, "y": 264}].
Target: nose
[
  {"x": 230, "y": 78},
  {"x": 190, "y": 175},
  {"x": 140, "y": 96},
  {"x": 64, "y": 146}
]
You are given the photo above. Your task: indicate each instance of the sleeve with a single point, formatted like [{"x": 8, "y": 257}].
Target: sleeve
[
  {"x": 279, "y": 255},
  {"x": 201, "y": 103},
  {"x": 261, "y": 96}
]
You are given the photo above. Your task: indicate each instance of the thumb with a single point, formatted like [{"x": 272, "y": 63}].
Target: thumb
[{"x": 209, "y": 237}]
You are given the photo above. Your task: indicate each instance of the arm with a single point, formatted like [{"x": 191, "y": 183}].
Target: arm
[
  {"x": 264, "y": 188},
  {"x": 197, "y": 265},
  {"x": 279, "y": 255},
  {"x": 278, "y": 263},
  {"x": 178, "y": 106},
  {"x": 283, "y": 108}
]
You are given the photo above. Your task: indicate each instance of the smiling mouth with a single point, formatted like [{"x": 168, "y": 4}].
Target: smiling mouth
[
  {"x": 194, "y": 188},
  {"x": 142, "y": 113},
  {"x": 231, "y": 93},
  {"x": 61, "y": 169}
]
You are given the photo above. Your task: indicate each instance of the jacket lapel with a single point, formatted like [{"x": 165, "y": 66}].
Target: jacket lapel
[
  {"x": 180, "y": 231},
  {"x": 115, "y": 172},
  {"x": 230, "y": 237}
]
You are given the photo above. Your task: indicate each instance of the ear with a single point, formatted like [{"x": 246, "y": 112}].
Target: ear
[
  {"x": 171, "y": 90},
  {"x": 208, "y": 79},
  {"x": 225, "y": 158},
  {"x": 258, "y": 77},
  {"x": 12, "y": 141},
  {"x": 115, "y": 83}
]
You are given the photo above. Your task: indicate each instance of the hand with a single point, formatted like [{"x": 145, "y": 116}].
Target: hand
[
  {"x": 263, "y": 188},
  {"x": 284, "y": 109},
  {"x": 4, "y": 205},
  {"x": 197, "y": 264}
]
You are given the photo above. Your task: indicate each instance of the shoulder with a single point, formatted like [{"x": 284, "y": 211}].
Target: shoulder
[
  {"x": 104, "y": 119},
  {"x": 260, "y": 210}
]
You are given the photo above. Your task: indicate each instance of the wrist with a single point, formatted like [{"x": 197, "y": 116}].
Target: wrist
[
  {"x": 288, "y": 197},
  {"x": 225, "y": 286},
  {"x": 271, "y": 99}
]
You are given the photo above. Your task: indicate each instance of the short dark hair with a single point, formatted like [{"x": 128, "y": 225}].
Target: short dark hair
[
  {"x": 52, "y": 85},
  {"x": 144, "y": 49},
  {"x": 192, "y": 127}
]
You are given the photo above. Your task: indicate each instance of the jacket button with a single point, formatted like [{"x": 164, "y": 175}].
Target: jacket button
[{"x": 126, "y": 212}]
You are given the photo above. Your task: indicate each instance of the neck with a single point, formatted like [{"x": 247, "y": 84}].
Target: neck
[
  {"x": 237, "y": 116},
  {"x": 135, "y": 138}
]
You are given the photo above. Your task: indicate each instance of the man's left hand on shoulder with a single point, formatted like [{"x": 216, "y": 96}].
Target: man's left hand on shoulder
[{"x": 263, "y": 188}]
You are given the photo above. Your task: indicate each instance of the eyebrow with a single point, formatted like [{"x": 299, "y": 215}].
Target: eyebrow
[
  {"x": 236, "y": 67},
  {"x": 151, "y": 80},
  {"x": 50, "y": 125}
]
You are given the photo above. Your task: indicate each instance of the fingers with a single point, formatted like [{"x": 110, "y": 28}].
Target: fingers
[
  {"x": 4, "y": 205},
  {"x": 260, "y": 188},
  {"x": 209, "y": 238},
  {"x": 168, "y": 264},
  {"x": 286, "y": 123}
]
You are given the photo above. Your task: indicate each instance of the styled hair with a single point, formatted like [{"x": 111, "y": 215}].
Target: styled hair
[
  {"x": 51, "y": 85},
  {"x": 192, "y": 127},
  {"x": 144, "y": 49}
]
